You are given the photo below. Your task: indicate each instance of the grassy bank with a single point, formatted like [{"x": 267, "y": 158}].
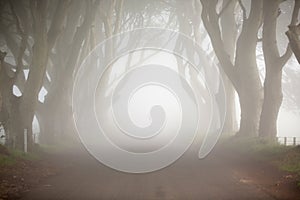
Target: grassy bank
[
  {"x": 285, "y": 158},
  {"x": 11, "y": 157}
]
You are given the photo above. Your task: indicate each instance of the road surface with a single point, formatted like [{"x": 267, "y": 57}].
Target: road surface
[{"x": 215, "y": 177}]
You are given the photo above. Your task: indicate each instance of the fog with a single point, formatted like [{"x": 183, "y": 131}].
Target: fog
[
  {"x": 141, "y": 99},
  {"x": 288, "y": 118}
]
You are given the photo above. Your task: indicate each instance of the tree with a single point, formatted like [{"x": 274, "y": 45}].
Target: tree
[
  {"x": 26, "y": 20},
  {"x": 189, "y": 23},
  {"x": 293, "y": 35},
  {"x": 55, "y": 113},
  {"x": 229, "y": 34},
  {"x": 294, "y": 32},
  {"x": 242, "y": 71},
  {"x": 274, "y": 64}
]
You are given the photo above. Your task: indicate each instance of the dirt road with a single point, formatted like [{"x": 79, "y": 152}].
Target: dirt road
[{"x": 216, "y": 177}]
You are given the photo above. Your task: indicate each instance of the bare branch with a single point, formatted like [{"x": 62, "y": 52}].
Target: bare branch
[
  {"x": 119, "y": 10},
  {"x": 243, "y": 9},
  {"x": 295, "y": 13},
  {"x": 286, "y": 56},
  {"x": 210, "y": 21},
  {"x": 293, "y": 35},
  {"x": 57, "y": 22},
  {"x": 224, "y": 8},
  {"x": 17, "y": 19},
  {"x": 23, "y": 32}
]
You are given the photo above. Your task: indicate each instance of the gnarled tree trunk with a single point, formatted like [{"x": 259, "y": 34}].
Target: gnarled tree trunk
[
  {"x": 243, "y": 72},
  {"x": 274, "y": 64}
]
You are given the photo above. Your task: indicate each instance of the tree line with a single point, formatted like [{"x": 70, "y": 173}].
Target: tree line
[{"x": 43, "y": 43}]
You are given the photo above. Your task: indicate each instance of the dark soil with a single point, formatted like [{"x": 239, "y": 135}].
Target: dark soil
[
  {"x": 20, "y": 177},
  {"x": 3, "y": 151}
]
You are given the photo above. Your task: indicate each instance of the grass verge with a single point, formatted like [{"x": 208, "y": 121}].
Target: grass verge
[
  {"x": 285, "y": 158},
  {"x": 11, "y": 157}
]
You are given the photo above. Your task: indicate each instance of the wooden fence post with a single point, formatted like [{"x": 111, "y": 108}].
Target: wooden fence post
[{"x": 25, "y": 140}]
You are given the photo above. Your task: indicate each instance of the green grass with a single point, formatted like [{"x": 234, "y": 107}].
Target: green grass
[
  {"x": 290, "y": 161},
  {"x": 7, "y": 160},
  {"x": 285, "y": 158},
  {"x": 256, "y": 146},
  {"x": 16, "y": 155},
  {"x": 67, "y": 144},
  {"x": 58, "y": 147}
]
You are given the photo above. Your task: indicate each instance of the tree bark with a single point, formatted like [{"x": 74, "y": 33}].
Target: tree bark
[
  {"x": 229, "y": 33},
  {"x": 250, "y": 96},
  {"x": 230, "y": 124},
  {"x": 293, "y": 34},
  {"x": 29, "y": 98},
  {"x": 274, "y": 64},
  {"x": 56, "y": 113},
  {"x": 243, "y": 73},
  {"x": 272, "y": 102}
]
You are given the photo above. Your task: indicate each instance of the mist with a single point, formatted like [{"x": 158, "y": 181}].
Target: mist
[{"x": 140, "y": 99}]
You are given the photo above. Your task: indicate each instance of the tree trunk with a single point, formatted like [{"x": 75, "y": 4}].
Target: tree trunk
[
  {"x": 56, "y": 118},
  {"x": 293, "y": 34},
  {"x": 230, "y": 124},
  {"x": 249, "y": 90},
  {"x": 274, "y": 64},
  {"x": 243, "y": 73},
  {"x": 29, "y": 98},
  {"x": 47, "y": 122},
  {"x": 229, "y": 33},
  {"x": 272, "y": 102},
  {"x": 250, "y": 104}
]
